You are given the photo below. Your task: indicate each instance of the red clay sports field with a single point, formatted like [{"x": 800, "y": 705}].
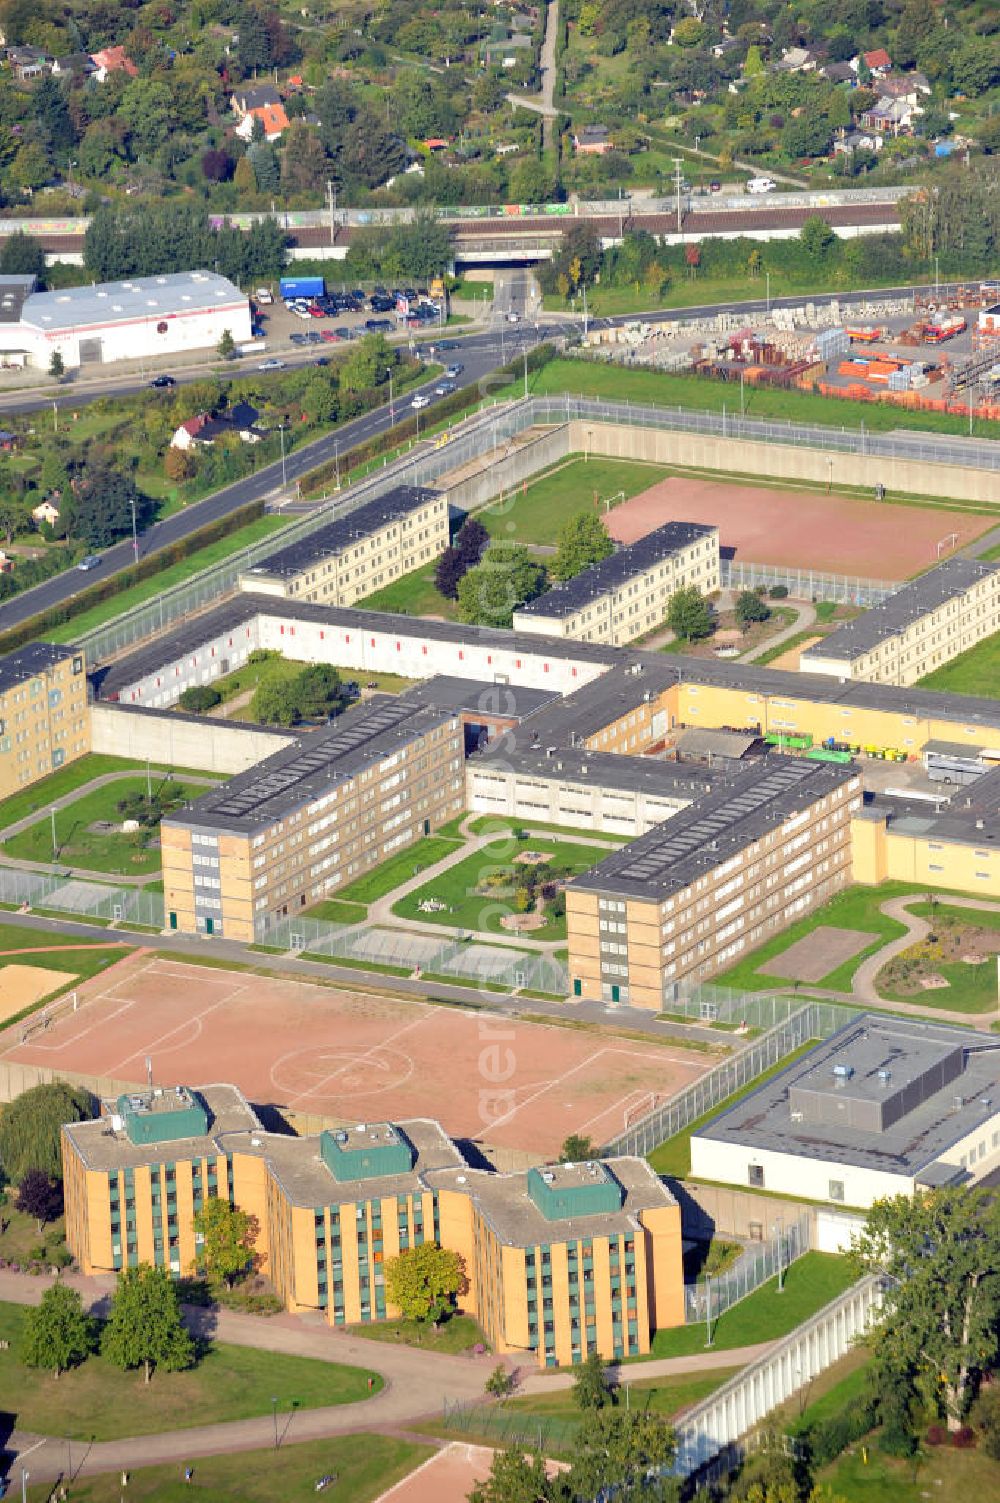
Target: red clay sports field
[
  {"x": 802, "y": 529},
  {"x": 337, "y": 1053}
]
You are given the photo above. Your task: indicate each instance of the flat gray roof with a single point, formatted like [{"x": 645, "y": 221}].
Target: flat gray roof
[
  {"x": 123, "y": 302},
  {"x": 971, "y": 816},
  {"x": 935, "y": 588},
  {"x": 713, "y": 828},
  {"x": 941, "y": 1083},
  {"x": 504, "y": 1201},
  {"x": 474, "y": 696},
  {"x": 294, "y": 776},
  {"x": 344, "y": 532},
  {"x": 102, "y": 1149},
  {"x": 28, "y": 662},
  {"x": 729, "y": 745},
  {"x": 14, "y": 291},
  {"x": 616, "y": 570},
  {"x": 605, "y": 770}
]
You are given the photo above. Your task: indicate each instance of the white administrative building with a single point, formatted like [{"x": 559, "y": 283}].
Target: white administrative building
[{"x": 140, "y": 318}]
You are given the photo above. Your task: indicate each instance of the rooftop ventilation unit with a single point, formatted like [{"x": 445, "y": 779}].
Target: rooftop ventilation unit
[{"x": 843, "y": 1072}]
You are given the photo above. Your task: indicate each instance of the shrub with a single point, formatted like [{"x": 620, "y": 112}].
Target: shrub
[
  {"x": 964, "y": 1438},
  {"x": 829, "y": 1438},
  {"x": 936, "y": 1435},
  {"x": 986, "y": 1418},
  {"x": 199, "y": 698}
]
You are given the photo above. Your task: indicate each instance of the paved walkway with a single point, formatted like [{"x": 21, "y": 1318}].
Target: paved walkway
[
  {"x": 863, "y": 990},
  {"x": 59, "y": 868},
  {"x": 805, "y": 616},
  {"x": 416, "y": 1386},
  {"x": 543, "y": 103}
]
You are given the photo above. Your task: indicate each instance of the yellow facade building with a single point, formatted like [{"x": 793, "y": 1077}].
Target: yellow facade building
[
  {"x": 559, "y": 1261},
  {"x": 44, "y": 718}
]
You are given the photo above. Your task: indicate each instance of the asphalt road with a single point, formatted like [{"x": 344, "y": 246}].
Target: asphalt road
[{"x": 479, "y": 354}]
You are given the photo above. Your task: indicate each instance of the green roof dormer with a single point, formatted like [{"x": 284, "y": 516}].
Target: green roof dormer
[
  {"x": 565, "y": 1191},
  {"x": 162, "y": 1114}
]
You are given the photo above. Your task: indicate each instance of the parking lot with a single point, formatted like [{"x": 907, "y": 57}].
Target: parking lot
[{"x": 335, "y": 321}]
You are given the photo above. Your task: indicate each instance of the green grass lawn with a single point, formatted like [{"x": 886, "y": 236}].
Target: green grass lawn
[
  {"x": 864, "y": 1475},
  {"x": 97, "y": 1401},
  {"x": 761, "y": 659},
  {"x": 399, "y": 868},
  {"x": 856, "y": 908},
  {"x": 810, "y": 1283},
  {"x": 673, "y": 1157},
  {"x": 282, "y": 669},
  {"x": 148, "y": 589},
  {"x": 589, "y": 378},
  {"x": 459, "y": 1334},
  {"x": 42, "y": 795},
  {"x": 365, "y": 1467},
  {"x": 80, "y": 846},
  {"x": 972, "y": 988},
  {"x": 334, "y": 911},
  {"x": 415, "y": 594},
  {"x": 658, "y": 1395},
  {"x": 22, "y": 1239},
  {"x": 974, "y": 672},
  {"x": 488, "y": 824},
  {"x": 535, "y": 515},
  {"x": 469, "y": 908}
]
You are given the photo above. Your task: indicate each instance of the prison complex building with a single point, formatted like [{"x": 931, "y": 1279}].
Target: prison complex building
[
  {"x": 885, "y": 1106},
  {"x": 560, "y": 1261},
  {"x": 312, "y": 817},
  {"x": 44, "y": 718},
  {"x": 954, "y": 844},
  {"x": 627, "y": 594},
  {"x": 361, "y": 552},
  {"x": 684, "y": 901},
  {"x": 924, "y": 625}
]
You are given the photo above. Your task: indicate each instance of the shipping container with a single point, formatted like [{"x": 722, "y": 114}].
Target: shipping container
[{"x": 290, "y": 287}]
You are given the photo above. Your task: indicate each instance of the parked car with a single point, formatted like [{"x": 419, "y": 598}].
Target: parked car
[
  {"x": 92, "y": 561},
  {"x": 314, "y": 337},
  {"x": 264, "y": 295},
  {"x": 271, "y": 365},
  {"x": 715, "y": 186},
  {"x": 299, "y": 339},
  {"x": 162, "y": 381},
  {"x": 761, "y": 185},
  {"x": 513, "y": 318}
]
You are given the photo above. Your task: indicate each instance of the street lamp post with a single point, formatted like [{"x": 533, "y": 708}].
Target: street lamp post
[
  {"x": 392, "y": 413},
  {"x": 281, "y": 431},
  {"x": 274, "y": 1411},
  {"x": 24, "y": 1485},
  {"x": 135, "y": 535},
  {"x": 767, "y": 275},
  {"x": 779, "y": 1228},
  {"x": 708, "y": 1309},
  {"x": 52, "y": 814}
]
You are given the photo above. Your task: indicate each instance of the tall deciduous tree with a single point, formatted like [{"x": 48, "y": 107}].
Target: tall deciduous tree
[
  {"x": 940, "y": 1320},
  {"x": 688, "y": 615},
  {"x": 30, "y": 1128},
  {"x": 58, "y": 1333},
  {"x": 583, "y": 541},
  {"x": 144, "y": 1326},
  {"x": 515, "y": 1478},
  {"x": 591, "y": 1389},
  {"x": 102, "y": 506},
  {"x": 22, "y": 255},
  {"x": 620, "y": 1455},
  {"x": 40, "y": 1197},
  {"x": 507, "y": 577},
  {"x": 228, "y": 1236},
  {"x": 424, "y": 1281}
]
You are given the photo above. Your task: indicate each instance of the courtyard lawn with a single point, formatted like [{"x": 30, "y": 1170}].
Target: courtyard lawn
[
  {"x": 77, "y": 845},
  {"x": 469, "y": 908},
  {"x": 856, "y": 908},
  {"x": 460, "y": 1333},
  {"x": 172, "y": 574},
  {"x": 99, "y": 1402},
  {"x": 673, "y": 1157},
  {"x": 365, "y": 1467},
  {"x": 974, "y": 672},
  {"x": 489, "y": 824},
  {"x": 415, "y": 594},
  {"x": 398, "y": 869},
  {"x": 658, "y": 1395},
  {"x": 587, "y": 378},
  {"x": 536, "y": 514},
  {"x": 971, "y": 988},
  {"x": 42, "y": 795},
  {"x": 810, "y": 1283}
]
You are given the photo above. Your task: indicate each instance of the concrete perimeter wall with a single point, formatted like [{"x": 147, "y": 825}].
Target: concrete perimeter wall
[
  {"x": 182, "y": 740},
  {"x": 720, "y": 1211},
  {"x": 504, "y": 475},
  {"x": 781, "y": 461}
]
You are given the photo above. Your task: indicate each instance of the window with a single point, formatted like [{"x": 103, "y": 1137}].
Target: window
[
  {"x": 755, "y": 1176},
  {"x": 836, "y": 1190}
]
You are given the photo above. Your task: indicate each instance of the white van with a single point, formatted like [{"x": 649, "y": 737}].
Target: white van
[{"x": 761, "y": 185}]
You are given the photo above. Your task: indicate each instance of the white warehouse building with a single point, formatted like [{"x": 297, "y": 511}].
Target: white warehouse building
[{"x": 141, "y": 318}]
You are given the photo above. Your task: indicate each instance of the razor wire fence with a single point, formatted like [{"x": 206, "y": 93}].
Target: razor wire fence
[
  {"x": 503, "y": 1426},
  {"x": 77, "y": 898},
  {"x": 807, "y": 584},
  {"x": 705, "y": 1302},
  {"x": 813, "y": 1020},
  {"x": 408, "y": 952}
]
